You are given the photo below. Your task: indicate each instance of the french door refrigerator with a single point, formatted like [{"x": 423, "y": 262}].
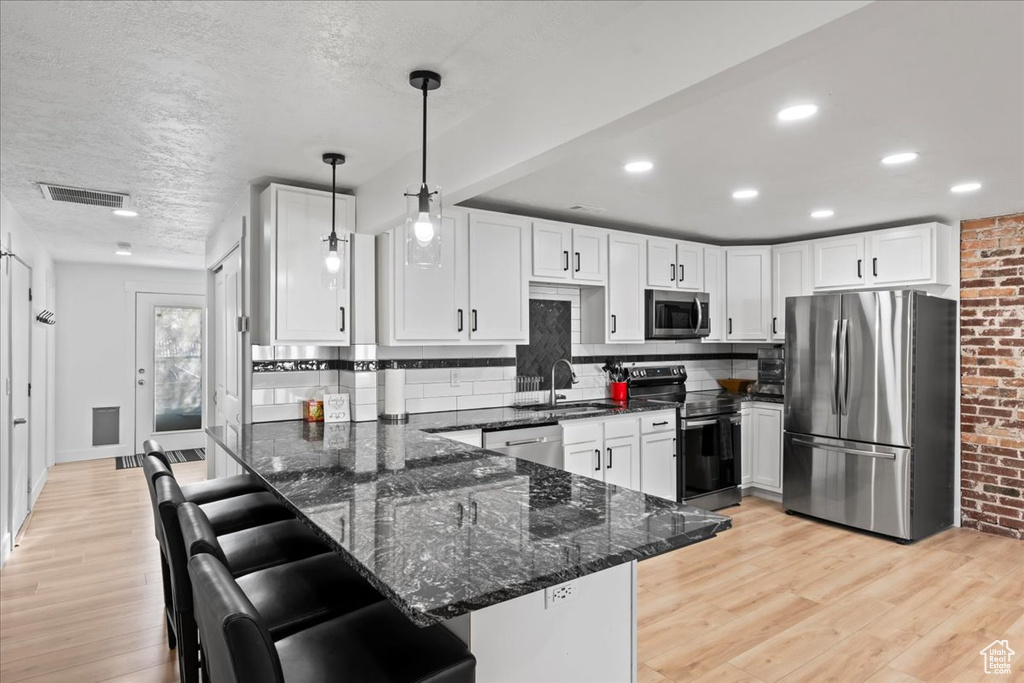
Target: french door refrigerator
[{"x": 869, "y": 410}]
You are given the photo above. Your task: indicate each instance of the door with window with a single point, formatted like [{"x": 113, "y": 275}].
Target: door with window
[{"x": 169, "y": 370}]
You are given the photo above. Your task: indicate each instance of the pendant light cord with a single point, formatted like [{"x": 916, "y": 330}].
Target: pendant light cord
[
  {"x": 424, "y": 133},
  {"x": 334, "y": 190}
]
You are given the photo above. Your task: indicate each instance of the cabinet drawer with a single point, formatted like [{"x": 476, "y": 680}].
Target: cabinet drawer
[
  {"x": 580, "y": 432},
  {"x": 658, "y": 422},
  {"x": 616, "y": 427}
]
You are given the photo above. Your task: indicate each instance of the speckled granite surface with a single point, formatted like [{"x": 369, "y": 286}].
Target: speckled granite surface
[
  {"x": 762, "y": 398},
  {"x": 442, "y": 528}
]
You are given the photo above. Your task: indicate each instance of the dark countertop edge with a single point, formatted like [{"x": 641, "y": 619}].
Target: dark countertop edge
[
  {"x": 542, "y": 418},
  {"x": 429, "y": 618}
]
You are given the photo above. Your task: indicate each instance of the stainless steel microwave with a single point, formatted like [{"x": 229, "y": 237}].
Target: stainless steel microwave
[{"x": 676, "y": 315}]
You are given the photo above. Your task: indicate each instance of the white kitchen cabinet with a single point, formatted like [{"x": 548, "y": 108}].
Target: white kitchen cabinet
[
  {"x": 714, "y": 285},
  {"x": 294, "y": 306},
  {"x": 498, "y": 282},
  {"x": 791, "y": 276},
  {"x": 916, "y": 254},
  {"x": 615, "y": 314},
  {"x": 748, "y": 300},
  {"x": 658, "y": 461},
  {"x": 607, "y": 449},
  {"x": 761, "y": 454},
  {"x": 622, "y": 461},
  {"x": 672, "y": 264},
  {"x": 584, "y": 458},
  {"x": 569, "y": 252},
  {"x": 839, "y": 262}
]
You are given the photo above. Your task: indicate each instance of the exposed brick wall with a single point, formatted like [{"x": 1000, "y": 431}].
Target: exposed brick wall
[{"x": 992, "y": 374}]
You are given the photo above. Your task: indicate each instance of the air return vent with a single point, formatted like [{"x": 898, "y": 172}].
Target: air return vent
[{"x": 78, "y": 195}]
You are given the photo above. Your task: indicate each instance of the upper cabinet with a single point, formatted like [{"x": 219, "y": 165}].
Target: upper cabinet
[
  {"x": 748, "y": 300},
  {"x": 499, "y": 307},
  {"x": 714, "y": 285},
  {"x": 915, "y": 255},
  {"x": 615, "y": 314},
  {"x": 672, "y": 264},
  {"x": 791, "y": 276},
  {"x": 294, "y": 306},
  {"x": 567, "y": 252}
]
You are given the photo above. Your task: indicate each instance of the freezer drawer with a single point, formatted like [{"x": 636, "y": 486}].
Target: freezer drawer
[{"x": 861, "y": 485}]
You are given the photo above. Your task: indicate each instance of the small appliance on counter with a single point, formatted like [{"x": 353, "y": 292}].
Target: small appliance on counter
[{"x": 771, "y": 371}]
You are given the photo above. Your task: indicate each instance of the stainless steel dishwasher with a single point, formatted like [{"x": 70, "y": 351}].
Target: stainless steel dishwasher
[{"x": 537, "y": 444}]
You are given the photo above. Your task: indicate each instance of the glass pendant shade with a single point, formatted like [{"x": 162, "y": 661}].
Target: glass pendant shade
[
  {"x": 333, "y": 260},
  {"x": 423, "y": 226}
]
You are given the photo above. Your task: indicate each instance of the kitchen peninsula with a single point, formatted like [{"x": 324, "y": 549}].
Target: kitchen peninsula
[{"x": 534, "y": 567}]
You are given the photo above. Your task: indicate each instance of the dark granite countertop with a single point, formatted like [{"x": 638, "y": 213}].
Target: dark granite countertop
[
  {"x": 762, "y": 398},
  {"x": 510, "y": 418},
  {"x": 442, "y": 528}
]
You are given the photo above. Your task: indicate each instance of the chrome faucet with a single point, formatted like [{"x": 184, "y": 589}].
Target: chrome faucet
[{"x": 575, "y": 380}]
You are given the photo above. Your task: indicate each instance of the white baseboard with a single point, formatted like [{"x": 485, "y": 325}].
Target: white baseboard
[
  {"x": 5, "y": 549},
  {"x": 751, "y": 490},
  {"x": 92, "y": 453},
  {"x": 37, "y": 488}
]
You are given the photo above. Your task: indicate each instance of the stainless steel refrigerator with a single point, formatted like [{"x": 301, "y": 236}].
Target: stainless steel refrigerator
[{"x": 869, "y": 410}]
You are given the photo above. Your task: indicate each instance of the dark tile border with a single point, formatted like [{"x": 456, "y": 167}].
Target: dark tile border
[
  {"x": 663, "y": 357},
  {"x": 431, "y": 363}
]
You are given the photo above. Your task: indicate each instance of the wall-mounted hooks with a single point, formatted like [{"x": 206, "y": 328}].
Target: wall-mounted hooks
[{"x": 47, "y": 318}]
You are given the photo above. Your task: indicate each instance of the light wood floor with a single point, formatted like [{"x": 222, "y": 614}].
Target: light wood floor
[{"x": 775, "y": 598}]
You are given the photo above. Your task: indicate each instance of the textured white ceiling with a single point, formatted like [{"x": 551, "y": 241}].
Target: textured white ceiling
[
  {"x": 945, "y": 79},
  {"x": 180, "y": 104}
]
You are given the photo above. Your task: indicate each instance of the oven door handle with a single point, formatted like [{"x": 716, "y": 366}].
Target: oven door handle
[{"x": 690, "y": 424}]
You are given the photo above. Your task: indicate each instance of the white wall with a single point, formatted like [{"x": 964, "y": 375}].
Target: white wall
[
  {"x": 96, "y": 348},
  {"x": 18, "y": 237}
]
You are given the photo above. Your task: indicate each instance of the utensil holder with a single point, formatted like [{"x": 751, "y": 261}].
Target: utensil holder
[{"x": 620, "y": 391}]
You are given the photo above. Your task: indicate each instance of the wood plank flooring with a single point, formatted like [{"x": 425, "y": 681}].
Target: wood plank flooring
[{"x": 777, "y": 598}]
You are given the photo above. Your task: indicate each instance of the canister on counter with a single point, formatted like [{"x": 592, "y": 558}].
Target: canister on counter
[{"x": 313, "y": 410}]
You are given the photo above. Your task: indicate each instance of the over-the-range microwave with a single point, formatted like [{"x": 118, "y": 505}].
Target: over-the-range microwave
[{"x": 676, "y": 315}]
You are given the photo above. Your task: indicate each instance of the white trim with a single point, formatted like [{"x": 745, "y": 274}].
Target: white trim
[
  {"x": 96, "y": 453},
  {"x": 37, "y": 488},
  {"x": 5, "y": 548}
]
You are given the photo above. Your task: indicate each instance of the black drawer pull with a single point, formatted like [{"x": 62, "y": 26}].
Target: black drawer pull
[
  {"x": 859, "y": 273},
  {"x": 597, "y": 452},
  {"x": 609, "y": 459},
  {"x": 874, "y": 266},
  {"x": 660, "y": 424},
  {"x": 342, "y": 319},
  {"x": 774, "y": 326},
  {"x": 577, "y": 261},
  {"x": 565, "y": 255},
  {"x": 473, "y": 317},
  {"x": 460, "y": 320},
  {"x": 673, "y": 276}
]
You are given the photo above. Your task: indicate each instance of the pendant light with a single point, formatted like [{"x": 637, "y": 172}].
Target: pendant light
[
  {"x": 423, "y": 202},
  {"x": 334, "y": 246}
]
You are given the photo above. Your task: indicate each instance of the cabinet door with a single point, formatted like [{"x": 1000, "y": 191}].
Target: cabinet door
[
  {"x": 498, "y": 282},
  {"x": 625, "y": 288},
  {"x": 689, "y": 266},
  {"x": 714, "y": 285},
  {"x": 748, "y": 293},
  {"x": 658, "y": 464},
  {"x": 790, "y": 277},
  {"x": 552, "y": 251},
  {"x": 428, "y": 301},
  {"x": 585, "y": 458},
  {"x": 902, "y": 256},
  {"x": 306, "y": 311},
  {"x": 590, "y": 255},
  {"x": 839, "y": 262},
  {"x": 767, "y": 461},
  {"x": 622, "y": 461},
  {"x": 661, "y": 263},
  {"x": 747, "y": 440}
]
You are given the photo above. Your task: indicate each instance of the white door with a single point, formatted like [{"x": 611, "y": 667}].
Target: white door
[
  {"x": 590, "y": 255},
  {"x": 658, "y": 464},
  {"x": 689, "y": 266},
  {"x": 227, "y": 349},
  {"x": 748, "y": 293},
  {"x": 714, "y": 285},
  {"x": 839, "y": 262},
  {"x": 901, "y": 256},
  {"x": 428, "y": 305},
  {"x": 661, "y": 263},
  {"x": 622, "y": 457},
  {"x": 169, "y": 370},
  {"x": 585, "y": 458},
  {"x": 498, "y": 279},
  {"x": 790, "y": 271},
  {"x": 625, "y": 288},
  {"x": 552, "y": 251},
  {"x": 20, "y": 417}
]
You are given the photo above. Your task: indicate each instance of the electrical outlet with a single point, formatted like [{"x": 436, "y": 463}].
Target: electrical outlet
[
  {"x": 455, "y": 377},
  {"x": 557, "y": 595}
]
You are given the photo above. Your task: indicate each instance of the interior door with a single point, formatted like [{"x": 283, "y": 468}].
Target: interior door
[
  {"x": 812, "y": 364},
  {"x": 20, "y": 417},
  {"x": 876, "y": 367},
  {"x": 227, "y": 345},
  {"x": 169, "y": 370}
]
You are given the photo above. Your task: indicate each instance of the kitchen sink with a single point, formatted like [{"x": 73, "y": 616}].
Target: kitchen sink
[{"x": 573, "y": 408}]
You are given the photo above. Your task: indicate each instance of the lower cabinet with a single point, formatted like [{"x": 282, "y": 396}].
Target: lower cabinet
[
  {"x": 761, "y": 453},
  {"x": 658, "y": 459}
]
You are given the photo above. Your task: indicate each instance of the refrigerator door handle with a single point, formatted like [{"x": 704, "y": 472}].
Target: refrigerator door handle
[
  {"x": 842, "y": 449},
  {"x": 834, "y": 395},
  {"x": 844, "y": 370}
]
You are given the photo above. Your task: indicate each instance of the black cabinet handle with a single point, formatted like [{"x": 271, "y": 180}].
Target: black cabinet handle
[
  {"x": 476, "y": 512},
  {"x": 874, "y": 266},
  {"x": 859, "y": 262},
  {"x": 609, "y": 459},
  {"x": 342, "y": 319},
  {"x": 460, "y": 320},
  {"x": 682, "y": 272},
  {"x": 462, "y": 511},
  {"x": 675, "y": 452},
  {"x": 615, "y": 324},
  {"x": 730, "y": 325},
  {"x": 775, "y": 329},
  {"x": 565, "y": 255},
  {"x": 577, "y": 261},
  {"x": 673, "y": 276},
  {"x": 472, "y": 314},
  {"x": 597, "y": 452},
  {"x": 660, "y": 424}
]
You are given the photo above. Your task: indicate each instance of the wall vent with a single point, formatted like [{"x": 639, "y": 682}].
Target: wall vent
[
  {"x": 78, "y": 195},
  {"x": 586, "y": 208}
]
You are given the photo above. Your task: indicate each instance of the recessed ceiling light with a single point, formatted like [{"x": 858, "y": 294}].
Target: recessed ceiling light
[
  {"x": 899, "y": 158},
  {"x": 823, "y": 213},
  {"x": 744, "y": 194},
  {"x": 127, "y": 213},
  {"x": 638, "y": 166},
  {"x": 123, "y": 249},
  {"x": 965, "y": 187},
  {"x": 797, "y": 112}
]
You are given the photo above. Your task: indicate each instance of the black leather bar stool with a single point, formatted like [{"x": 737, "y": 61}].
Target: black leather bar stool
[
  {"x": 376, "y": 643},
  {"x": 210, "y": 490}
]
